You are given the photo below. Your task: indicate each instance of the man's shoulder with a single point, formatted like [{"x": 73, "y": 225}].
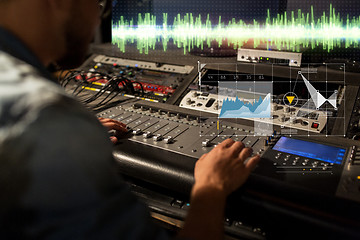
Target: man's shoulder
[
  {"x": 25, "y": 93},
  {"x": 20, "y": 79}
]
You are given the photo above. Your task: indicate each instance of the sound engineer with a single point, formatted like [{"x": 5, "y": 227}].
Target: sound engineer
[{"x": 57, "y": 174}]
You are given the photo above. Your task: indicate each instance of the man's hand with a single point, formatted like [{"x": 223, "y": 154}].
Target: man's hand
[
  {"x": 217, "y": 174},
  {"x": 110, "y": 124},
  {"x": 223, "y": 168}
]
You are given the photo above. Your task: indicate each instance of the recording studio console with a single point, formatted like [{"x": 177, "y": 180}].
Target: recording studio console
[
  {"x": 282, "y": 115},
  {"x": 165, "y": 140},
  {"x": 327, "y": 165}
]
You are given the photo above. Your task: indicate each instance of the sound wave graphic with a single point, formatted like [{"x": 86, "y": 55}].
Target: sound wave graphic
[
  {"x": 239, "y": 109},
  {"x": 316, "y": 97},
  {"x": 291, "y": 32}
]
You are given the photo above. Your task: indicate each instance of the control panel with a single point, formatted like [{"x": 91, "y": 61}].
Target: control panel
[
  {"x": 190, "y": 135},
  {"x": 354, "y": 123},
  {"x": 281, "y": 115},
  {"x": 135, "y": 79},
  {"x": 297, "y": 161},
  {"x": 183, "y": 119}
]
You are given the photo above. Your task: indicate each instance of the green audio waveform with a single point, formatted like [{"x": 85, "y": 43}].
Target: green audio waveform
[{"x": 289, "y": 31}]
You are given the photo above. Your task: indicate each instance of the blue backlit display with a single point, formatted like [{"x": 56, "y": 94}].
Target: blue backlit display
[{"x": 312, "y": 150}]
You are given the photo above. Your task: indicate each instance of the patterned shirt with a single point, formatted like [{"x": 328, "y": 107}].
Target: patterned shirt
[{"x": 57, "y": 173}]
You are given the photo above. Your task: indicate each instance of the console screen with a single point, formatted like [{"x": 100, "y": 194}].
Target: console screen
[{"x": 312, "y": 150}]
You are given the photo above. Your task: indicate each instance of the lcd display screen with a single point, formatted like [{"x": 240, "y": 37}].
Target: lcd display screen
[{"x": 312, "y": 150}]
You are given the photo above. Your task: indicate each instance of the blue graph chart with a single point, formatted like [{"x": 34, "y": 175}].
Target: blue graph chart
[
  {"x": 239, "y": 109},
  {"x": 245, "y": 100}
]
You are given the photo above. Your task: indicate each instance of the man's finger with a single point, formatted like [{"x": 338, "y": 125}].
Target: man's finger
[
  {"x": 114, "y": 126},
  {"x": 236, "y": 148},
  {"x": 107, "y": 120},
  {"x": 226, "y": 143},
  {"x": 113, "y": 139},
  {"x": 245, "y": 153},
  {"x": 251, "y": 164}
]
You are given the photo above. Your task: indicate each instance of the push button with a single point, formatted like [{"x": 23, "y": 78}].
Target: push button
[
  {"x": 210, "y": 102},
  {"x": 315, "y": 125},
  {"x": 227, "y": 222},
  {"x": 177, "y": 203}
]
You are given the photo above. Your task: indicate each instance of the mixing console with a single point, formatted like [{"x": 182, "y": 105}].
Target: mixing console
[
  {"x": 300, "y": 166},
  {"x": 299, "y": 163}
]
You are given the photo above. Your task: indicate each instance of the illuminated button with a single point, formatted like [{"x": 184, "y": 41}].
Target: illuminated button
[
  {"x": 185, "y": 206},
  {"x": 315, "y": 125}
]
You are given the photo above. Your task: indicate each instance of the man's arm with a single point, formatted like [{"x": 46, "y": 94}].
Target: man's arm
[
  {"x": 71, "y": 187},
  {"x": 217, "y": 174}
]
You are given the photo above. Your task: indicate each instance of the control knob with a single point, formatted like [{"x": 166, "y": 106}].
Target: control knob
[
  {"x": 282, "y": 118},
  {"x": 274, "y": 107},
  {"x": 195, "y": 94}
]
